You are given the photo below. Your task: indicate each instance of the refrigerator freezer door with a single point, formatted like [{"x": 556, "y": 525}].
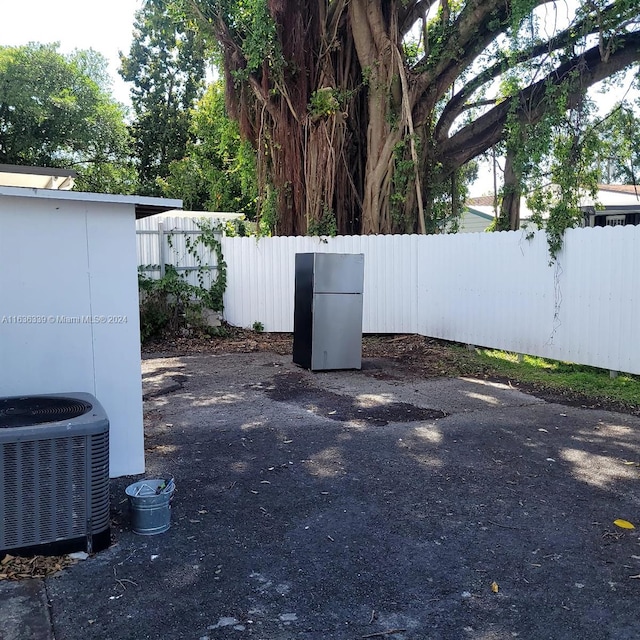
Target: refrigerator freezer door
[
  {"x": 337, "y": 332},
  {"x": 338, "y": 272},
  {"x": 303, "y": 311}
]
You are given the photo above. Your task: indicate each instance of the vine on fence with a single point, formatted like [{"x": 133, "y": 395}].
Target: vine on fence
[{"x": 171, "y": 302}]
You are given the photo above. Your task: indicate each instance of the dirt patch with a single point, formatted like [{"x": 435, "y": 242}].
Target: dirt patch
[{"x": 385, "y": 357}]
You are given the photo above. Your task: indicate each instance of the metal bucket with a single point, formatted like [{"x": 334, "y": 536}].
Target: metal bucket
[{"x": 150, "y": 505}]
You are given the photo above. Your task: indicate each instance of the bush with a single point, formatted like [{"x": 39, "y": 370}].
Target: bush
[{"x": 167, "y": 304}]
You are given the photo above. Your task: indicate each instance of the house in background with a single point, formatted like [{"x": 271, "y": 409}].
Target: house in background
[
  {"x": 12, "y": 175},
  {"x": 618, "y": 204},
  {"x": 614, "y": 205},
  {"x": 478, "y": 214}
]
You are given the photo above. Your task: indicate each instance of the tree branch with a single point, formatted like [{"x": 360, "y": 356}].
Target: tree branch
[
  {"x": 334, "y": 17},
  {"x": 470, "y": 34},
  {"x": 409, "y": 15},
  {"x": 488, "y": 129},
  {"x": 585, "y": 26}
]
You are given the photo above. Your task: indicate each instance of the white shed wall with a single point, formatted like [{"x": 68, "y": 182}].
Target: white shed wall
[{"x": 73, "y": 259}]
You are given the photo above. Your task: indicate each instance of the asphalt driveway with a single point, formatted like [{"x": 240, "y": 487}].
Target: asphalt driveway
[{"x": 365, "y": 504}]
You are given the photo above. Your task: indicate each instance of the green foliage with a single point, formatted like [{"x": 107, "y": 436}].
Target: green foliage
[
  {"x": 268, "y": 212},
  {"x": 251, "y": 26},
  {"x": 166, "y": 65},
  {"x": 521, "y": 15},
  {"x": 569, "y": 173},
  {"x": 57, "y": 111},
  {"x": 620, "y": 156},
  {"x": 164, "y": 303},
  {"x": 495, "y": 225},
  {"x": 218, "y": 172},
  {"x": 258, "y": 32},
  {"x": 323, "y": 102},
  {"x": 326, "y": 226},
  {"x": 404, "y": 173},
  {"x": 556, "y": 159},
  {"x": 236, "y": 228},
  {"x": 258, "y": 327},
  {"x": 212, "y": 297}
]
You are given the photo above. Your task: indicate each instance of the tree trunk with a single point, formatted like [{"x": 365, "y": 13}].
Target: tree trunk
[
  {"x": 374, "y": 41},
  {"x": 509, "y": 218}
]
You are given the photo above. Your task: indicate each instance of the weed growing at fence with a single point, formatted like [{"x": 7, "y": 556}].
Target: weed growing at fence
[
  {"x": 163, "y": 302},
  {"x": 212, "y": 297}
]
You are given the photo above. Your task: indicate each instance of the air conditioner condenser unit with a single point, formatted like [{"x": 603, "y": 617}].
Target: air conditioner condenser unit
[{"x": 54, "y": 474}]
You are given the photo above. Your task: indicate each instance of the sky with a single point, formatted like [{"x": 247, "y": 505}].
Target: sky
[{"x": 105, "y": 27}]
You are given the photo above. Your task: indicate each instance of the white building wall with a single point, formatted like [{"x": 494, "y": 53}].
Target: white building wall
[
  {"x": 63, "y": 259},
  {"x": 471, "y": 222}
]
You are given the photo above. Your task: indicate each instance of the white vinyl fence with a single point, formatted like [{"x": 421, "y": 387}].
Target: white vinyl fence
[
  {"x": 166, "y": 240},
  {"x": 488, "y": 289}
]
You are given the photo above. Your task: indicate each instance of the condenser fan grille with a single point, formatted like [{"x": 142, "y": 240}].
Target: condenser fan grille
[{"x": 20, "y": 412}]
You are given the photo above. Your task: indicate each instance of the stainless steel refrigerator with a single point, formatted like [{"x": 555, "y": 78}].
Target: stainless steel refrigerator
[{"x": 327, "y": 320}]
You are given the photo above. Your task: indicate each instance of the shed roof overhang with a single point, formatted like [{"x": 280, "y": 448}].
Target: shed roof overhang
[{"x": 144, "y": 206}]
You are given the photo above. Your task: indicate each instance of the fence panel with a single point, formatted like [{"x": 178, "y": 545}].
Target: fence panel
[
  {"x": 493, "y": 290},
  {"x": 261, "y": 279},
  {"x": 167, "y": 240}
]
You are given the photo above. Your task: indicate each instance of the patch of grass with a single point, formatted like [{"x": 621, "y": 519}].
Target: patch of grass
[{"x": 563, "y": 377}]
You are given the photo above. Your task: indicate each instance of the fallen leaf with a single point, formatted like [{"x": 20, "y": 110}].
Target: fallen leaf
[
  {"x": 494, "y": 587},
  {"x": 623, "y": 524}
]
